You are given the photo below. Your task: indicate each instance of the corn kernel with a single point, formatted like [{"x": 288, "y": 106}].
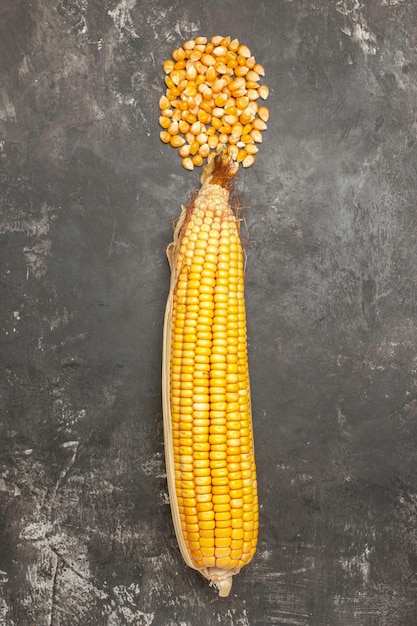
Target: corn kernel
[
  {"x": 187, "y": 163},
  {"x": 263, "y": 92}
]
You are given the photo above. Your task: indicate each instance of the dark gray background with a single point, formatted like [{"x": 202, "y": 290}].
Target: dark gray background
[{"x": 88, "y": 194}]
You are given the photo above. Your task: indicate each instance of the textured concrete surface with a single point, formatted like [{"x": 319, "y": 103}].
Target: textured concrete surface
[{"x": 87, "y": 198}]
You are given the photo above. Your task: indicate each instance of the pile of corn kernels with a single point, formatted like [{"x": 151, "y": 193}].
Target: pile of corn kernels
[{"x": 211, "y": 101}]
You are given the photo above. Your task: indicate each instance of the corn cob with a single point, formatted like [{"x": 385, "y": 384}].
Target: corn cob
[{"x": 206, "y": 397}]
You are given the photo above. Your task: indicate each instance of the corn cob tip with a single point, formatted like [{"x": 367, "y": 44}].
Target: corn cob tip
[
  {"x": 222, "y": 579},
  {"x": 224, "y": 586}
]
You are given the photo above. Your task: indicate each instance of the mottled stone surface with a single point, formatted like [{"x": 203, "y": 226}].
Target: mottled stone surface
[{"x": 87, "y": 198}]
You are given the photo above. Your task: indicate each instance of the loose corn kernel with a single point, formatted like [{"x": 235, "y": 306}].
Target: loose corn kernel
[
  {"x": 248, "y": 160},
  {"x": 263, "y": 113},
  {"x": 259, "y": 124},
  {"x": 177, "y": 141},
  {"x": 164, "y": 121},
  {"x": 197, "y": 160},
  {"x": 256, "y": 136},
  {"x": 187, "y": 163},
  {"x": 244, "y": 51},
  {"x": 165, "y": 136},
  {"x": 264, "y": 91},
  {"x": 184, "y": 150}
]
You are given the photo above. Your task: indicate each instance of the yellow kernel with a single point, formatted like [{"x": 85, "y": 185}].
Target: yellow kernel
[
  {"x": 211, "y": 74},
  {"x": 204, "y": 150},
  {"x": 184, "y": 150},
  {"x": 190, "y": 118},
  {"x": 164, "y": 103},
  {"x": 168, "y": 66},
  {"x": 220, "y": 100},
  {"x": 242, "y": 102},
  {"x": 195, "y": 128},
  {"x": 189, "y": 45},
  {"x": 173, "y": 128},
  {"x": 250, "y": 62},
  {"x": 213, "y": 141},
  {"x": 194, "y": 147},
  {"x": 183, "y": 126},
  {"x": 195, "y": 57},
  {"x": 256, "y": 136},
  {"x": 205, "y": 91},
  {"x": 207, "y": 542},
  {"x": 191, "y": 72},
  {"x": 216, "y": 123},
  {"x": 253, "y": 94},
  {"x": 259, "y": 69},
  {"x": 216, "y": 40},
  {"x": 197, "y": 160},
  {"x": 177, "y": 141},
  {"x": 240, "y": 92},
  {"x": 187, "y": 163},
  {"x": 177, "y": 115},
  {"x": 170, "y": 83},
  {"x": 230, "y": 120},
  {"x": 233, "y": 151},
  {"x": 246, "y": 117},
  {"x": 207, "y": 107},
  {"x": 252, "y": 76},
  {"x": 208, "y": 59},
  {"x": 230, "y": 110},
  {"x": 219, "y": 51},
  {"x": 251, "y": 148},
  {"x": 259, "y": 124},
  {"x": 190, "y": 90},
  {"x": 218, "y": 85},
  {"x": 224, "y": 532},
  {"x": 236, "y": 84},
  {"x": 248, "y": 160},
  {"x": 263, "y": 91},
  {"x": 178, "y": 54},
  {"x": 241, "y": 70},
  {"x": 263, "y": 113},
  {"x": 176, "y": 77},
  {"x": 220, "y": 67},
  {"x": 237, "y": 129},
  {"x": 164, "y": 121},
  {"x": 165, "y": 136},
  {"x": 183, "y": 105},
  {"x": 244, "y": 51},
  {"x": 218, "y": 112}
]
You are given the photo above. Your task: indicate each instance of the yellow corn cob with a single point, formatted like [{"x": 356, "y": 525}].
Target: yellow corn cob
[{"x": 206, "y": 397}]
